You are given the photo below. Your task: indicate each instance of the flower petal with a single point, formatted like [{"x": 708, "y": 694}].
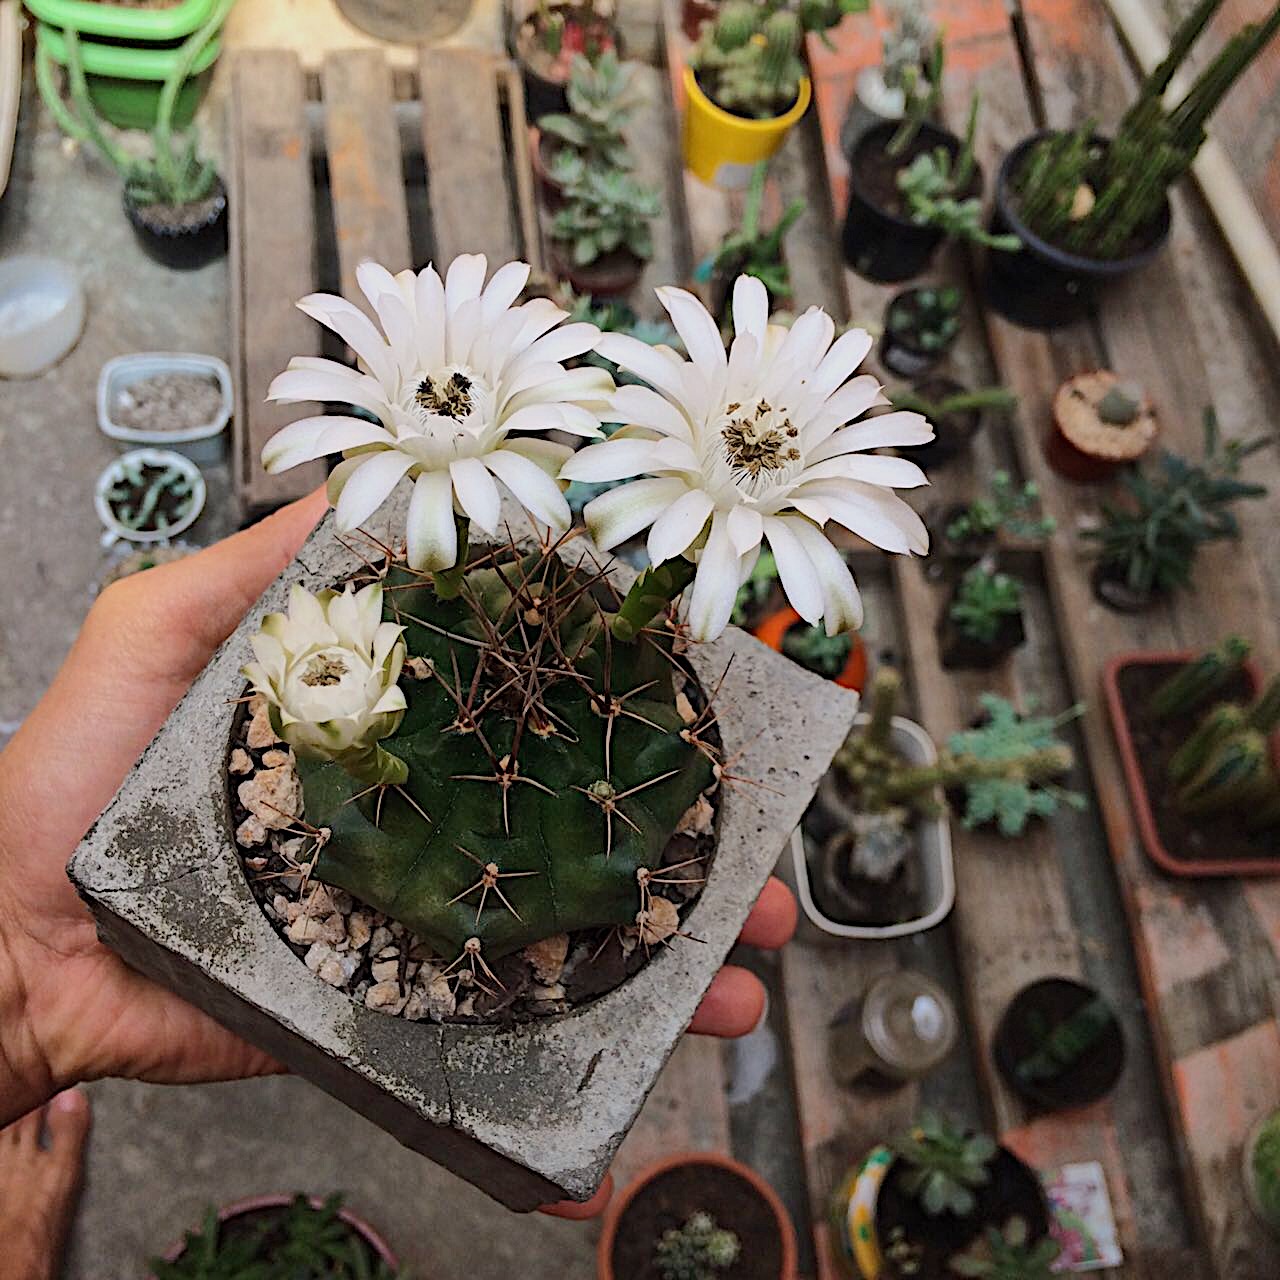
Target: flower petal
[
  {"x": 464, "y": 280},
  {"x": 621, "y": 513},
  {"x": 875, "y": 468},
  {"x": 338, "y": 385},
  {"x": 369, "y": 487},
  {"x": 431, "y": 532},
  {"x": 429, "y": 298},
  {"x": 746, "y": 527},
  {"x": 698, "y": 331},
  {"x": 750, "y": 308},
  {"x": 644, "y": 407},
  {"x": 841, "y": 600},
  {"x": 876, "y": 514},
  {"x": 846, "y": 354},
  {"x": 679, "y": 525},
  {"x": 644, "y": 361},
  {"x": 887, "y": 430},
  {"x": 536, "y": 491},
  {"x": 503, "y": 289},
  {"x": 550, "y": 455},
  {"x": 311, "y": 438},
  {"x": 356, "y": 330},
  {"x": 795, "y": 569},
  {"x": 477, "y": 494},
  {"x": 715, "y": 585}
]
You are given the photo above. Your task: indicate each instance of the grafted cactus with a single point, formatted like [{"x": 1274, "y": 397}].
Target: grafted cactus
[{"x": 548, "y": 766}]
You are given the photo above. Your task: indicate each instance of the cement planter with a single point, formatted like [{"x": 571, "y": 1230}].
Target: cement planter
[{"x": 531, "y": 1114}]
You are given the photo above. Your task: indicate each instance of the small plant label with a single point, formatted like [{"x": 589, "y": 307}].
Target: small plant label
[{"x": 1083, "y": 1223}]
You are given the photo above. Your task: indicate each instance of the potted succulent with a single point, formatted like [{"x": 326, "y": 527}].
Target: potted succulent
[
  {"x": 129, "y": 52},
  {"x": 1147, "y": 542},
  {"x": 1059, "y": 1045},
  {"x": 279, "y": 1238},
  {"x": 578, "y": 760},
  {"x": 982, "y": 622},
  {"x": 406, "y": 21},
  {"x": 746, "y": 85},
  {"x": 601, "y": 236},
  {"x": 919, "y": 327},
  {"x": 963, "y": 534},
  {"x": 1100, "y": 424},
  {"x": 700, "y": 1216},
  {"x": 910, "y": 46},
  {"x": 956, "y": 414},
  {"x": 148, "y": 495},
  {"x": 601, "y": 97},
  {"x": 752, "y": 250},
  {"x": 1007, "y": 1253},
  {"x": 911, "y": 186},
  {"x": 927, "y": 1198},
  {"x": 1262, "y": 1169},
  {"x": 1089, "y": 209},
  {"x": 1196, "y": 738},
  {"x": 174, "y": 199},
  {"x": 547, "y": 39}
]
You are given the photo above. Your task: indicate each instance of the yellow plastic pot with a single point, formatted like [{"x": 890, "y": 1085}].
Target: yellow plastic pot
[{"x": 721, "y": 148}]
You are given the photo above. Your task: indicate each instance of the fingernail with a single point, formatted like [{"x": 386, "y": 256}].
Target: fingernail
[{"x": 69, "y": 1100}]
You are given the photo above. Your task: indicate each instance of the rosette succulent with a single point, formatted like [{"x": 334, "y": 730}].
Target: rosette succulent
[
  {"x": 759, "y": 444},
  {"x": 329, "y": 670},
  {"x": 455, "y": 374}
]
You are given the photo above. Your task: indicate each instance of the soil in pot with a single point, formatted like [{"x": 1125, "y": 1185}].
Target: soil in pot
[
  {"x": 1012, "y": 1190},
  {"x": 608, "y": 276},
  {"x": 952, "y": 432},
  {"x": 1059, "y": 1045},
  {"x": 168, "y": 402},
  {"x": 667, "y": 1203},
  {"x": 183, "y": 236},
  {"x": 1220, "y": 838},
  {"x": 960, "y": 651},
  {"x": 881, "y": 242}
]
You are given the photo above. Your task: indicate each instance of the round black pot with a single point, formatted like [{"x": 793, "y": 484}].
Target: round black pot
[
  {"x": 958, "y": 555},
  {"x": 959, "y": 651},
  {"x": 1042, "y": 286},
  {"x": 880, "y": 244},
  {"x": 182, "y": 245},
  {"x": 1042, "y": 1075},
  {"x": 1111, "y": 588},
  {"x": 952, "y": 433},
  {"x": 899, "y": 352}
]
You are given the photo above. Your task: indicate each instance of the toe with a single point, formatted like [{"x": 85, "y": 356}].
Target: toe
[{"x": 67, "y": 1122}]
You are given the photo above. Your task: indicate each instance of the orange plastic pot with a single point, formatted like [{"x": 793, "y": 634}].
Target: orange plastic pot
[
  {"x": 711, "y": 1160},
  {"x": 773, "y": 631}
]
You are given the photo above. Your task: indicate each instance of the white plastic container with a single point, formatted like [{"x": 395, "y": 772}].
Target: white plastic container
[
  {"x": 41, "y": 314},
  {"x": 115, "y": 531},
  {"x": 933, "y": 848},
  {"x": 204, "y": 443}
]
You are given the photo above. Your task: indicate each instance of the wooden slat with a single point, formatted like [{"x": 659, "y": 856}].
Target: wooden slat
[
  {"x": 366, "y": 173},
  {"x": 465, "y": 150},
  {"x": 272, "y": 232}
]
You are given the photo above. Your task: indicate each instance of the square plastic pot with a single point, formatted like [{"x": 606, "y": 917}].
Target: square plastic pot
[
  {"x": 529, "y": 1114},
  {"x": 204, "y": 444},
  {"x": 933, "y": 849}
]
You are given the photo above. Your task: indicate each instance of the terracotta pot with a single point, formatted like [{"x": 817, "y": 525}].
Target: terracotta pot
[
  {"x": 773, "y": 631},
  {"x": 540, "y": 154},
  {"x": 1083, "y": 448},
  {"x": 257, "y": 1204},
  {"x": 622, "y": 1200},
  {"x": 1140, "y": 799}
]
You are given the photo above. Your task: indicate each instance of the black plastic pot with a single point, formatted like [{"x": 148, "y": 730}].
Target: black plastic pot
[
  {"x": 953, "y": 433},
  {"x": 1042, "y": 286},
  {"x": 959, "y": 651},
  {"x": 879, "y": 243},
  {"x": 182, "y": 243},
  {"x": 1110, "y": 587},
  {"x": 1041, "y": 1063},
  {"x": 899, "y": 351},
  {"x": 959, "y": 556}
]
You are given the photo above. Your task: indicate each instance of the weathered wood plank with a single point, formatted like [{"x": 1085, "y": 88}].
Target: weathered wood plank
[
  {"x": 366, "y": 172},
  {"x": 466, "y": 151},
  {"x": 272, "y": 228}
]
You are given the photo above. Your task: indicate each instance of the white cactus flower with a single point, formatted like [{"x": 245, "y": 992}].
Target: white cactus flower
[
  {"x": 329, "y": 670},
  {"x": 759, "y": 444},
  {"x": 455, "y": 372}
]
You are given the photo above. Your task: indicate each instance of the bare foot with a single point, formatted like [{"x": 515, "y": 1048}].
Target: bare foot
[{"x": 38, "y": 1184}]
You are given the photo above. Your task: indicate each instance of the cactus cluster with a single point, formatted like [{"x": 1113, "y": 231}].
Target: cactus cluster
[
  {"x": 135, "y": 498},
  {"x": 698, "y": 1250},
  {"x": 983, "y": 598},
  {"x": 548, "y": 765},
  {"x": 747, "y": 59},
  {"x": 1225, "y": 763},
  {"x": 1008, "y": 509}
]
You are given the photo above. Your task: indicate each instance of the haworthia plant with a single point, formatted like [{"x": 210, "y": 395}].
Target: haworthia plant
[{"x": 549, "y": 766}]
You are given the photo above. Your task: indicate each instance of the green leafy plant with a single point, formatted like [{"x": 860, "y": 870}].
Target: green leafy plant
[
  {"x": 753, "y": 251},
  {"x": 816, "y": 651},
  {"x": 538, "y": 823},
  {"x": 1008, "y": 1254},
  {"x": 984, "y": 598},
  {"x": 174, "y": 174},
  {"x": 1151, "y": 539},
  {"x": 928, "y": 318},
  {"x": 943, "y": 1166},
  {"x": 607, "y": 210},
  {"x": 1006, "y": 509},
  {"x": 1265, "y": 1168},
  {"x": 299, "y": 1242},
  {"x": 1030, "y": 746},
  {"x": 999, "y": 399},
  {"x": 1096, "y": 198},
  {"x": 698, "y": 1250},
  {"x": 602, "y": 95}
]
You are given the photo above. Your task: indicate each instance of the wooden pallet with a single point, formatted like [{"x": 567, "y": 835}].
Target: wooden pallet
[{"x": 288, "y": 179}]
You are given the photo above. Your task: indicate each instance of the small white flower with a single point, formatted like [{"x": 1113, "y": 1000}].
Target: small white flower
[
  {"x": 453, "y": 373},
  {"x": 329, "y": 670},
  {"x": 758, "y": 444}
]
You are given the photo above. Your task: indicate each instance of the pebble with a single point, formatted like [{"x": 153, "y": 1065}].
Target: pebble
[
  {"x": 359, "y": 929},
  {"x": 697, "y": 819},
  {"x": 273, "y": 796},
  {"x": 259, "y": 734},
  {"x": 381, "y": 938},
  {"x": 241, "y": 761},
  {"x": 385, "y": 996},
  {"x": 547, "y": 957},
  {"x": 275, "y": 758},
  {"x": 386, "y": 971}
]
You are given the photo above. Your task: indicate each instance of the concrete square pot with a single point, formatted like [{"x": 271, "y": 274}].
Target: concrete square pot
[{"x": 529, "y": 1114}]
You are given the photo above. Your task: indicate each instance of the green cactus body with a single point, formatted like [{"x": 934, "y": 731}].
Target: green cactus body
[
  {"x": 525, "y": 814},
  {"x": 735, "y": 25},
  {"x": 781, "y": 43},
  {"x": 1264, "y": 1169},
  {"x": 1190, "y": 685},
  {"x": 1264, "y": 715},
  {"x": 1119, "y": 407},
  {"x": 1233, "y": 773},
  {"x": 1222, "y": 722}
]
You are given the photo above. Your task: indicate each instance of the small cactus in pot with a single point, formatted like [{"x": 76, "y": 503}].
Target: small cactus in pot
[
  {"x": 747, "y": 59},
  {"x": 698, "y": 1250}
]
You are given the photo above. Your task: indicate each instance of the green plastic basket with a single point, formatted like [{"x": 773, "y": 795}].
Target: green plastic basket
[
  {"x": 125, "y": 82},
  {"x": 122, "y": 22}
]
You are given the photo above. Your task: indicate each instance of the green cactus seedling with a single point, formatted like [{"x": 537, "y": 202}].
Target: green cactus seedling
[
  {"x": 698, "y": 1250},
  {"x": 548, "y": 766},
  {"x": 1190, "y": 685}
]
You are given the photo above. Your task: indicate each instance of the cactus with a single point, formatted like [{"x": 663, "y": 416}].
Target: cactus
[
  {"x": 781, "y": 33},
  {"x": 1264, "y": 715},
  {"x": 1121, "y": 404},
  {"x": 1064, "y": 1044},
  {"x": 943, "y": 1165},
  {"x": 1264, "y": 1167},
  {"x": 1008, "y": 1254},
  {"x": 929, "y": 318},
  {"x": 983, "y": 598},
  {"x": 697, "y": 1250},
  {"x": 748, "y": 59},
  {"x": 548, "y": 766},
  {"x": 135, "y": 498},
  {"x": 1007, "y": 509},
  {"x": 1220, "y": 724},
  {"x": 1234, "y": 774},
  {"x": 1191, "y": 684}
]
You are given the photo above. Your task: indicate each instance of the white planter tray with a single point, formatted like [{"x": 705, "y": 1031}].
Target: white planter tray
[
  {"x": 115, "y": 531},
  {"x": 933, "y": 848}
]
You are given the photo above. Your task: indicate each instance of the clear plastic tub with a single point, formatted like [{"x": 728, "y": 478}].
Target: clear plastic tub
[{"x": 41, "y": 314}]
